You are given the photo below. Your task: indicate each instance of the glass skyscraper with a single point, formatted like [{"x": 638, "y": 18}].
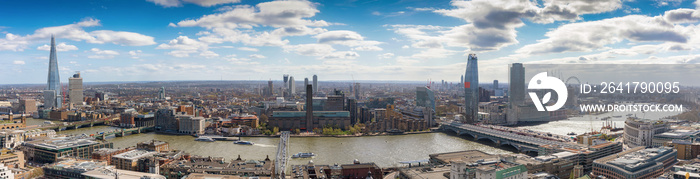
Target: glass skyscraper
[
  {"x": 425, "y": 97},
  {"x": 52, "y": 95},
  {"x": 471, "y": 89}
]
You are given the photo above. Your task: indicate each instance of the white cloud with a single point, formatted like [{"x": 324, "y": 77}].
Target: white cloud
[
  {"x": 208, "y": 54},
  {"x": 121, "y": 38},
  {"x": 386, "y": 56},
  {"x": 678, "y": 16},
  {"x": 75, "y": 32},
  {"x": 253, "y": 38},
  {"x": 491, "y": 24},
  {"x": 61, "y": 47},
  {"x": 345, "y": 37},
  {"x": 183, "y": 46},
  {"x": 204, "y": 3},
  {"x": 661, "y": 3},
  {"x": 135, "y": 54},
  {"x": 256, "y": 56},
  {"x": 310, "y": 49},
  {"x": 630, "y": 10},
  {"x": 102, "y": 54},
  {"x": 240, "y": 61},
  {"x": 593, "y": 35},
  {"x": 367, "y": 48},
  {"x": 166, "y": 3},
  {"x": 18, "y": 62},
  {"x": 421, "y": 8},
  {"x": 274, "y": 13},
  {"x": 248, "y": 49},
  {"x": 322, "y": 51}
]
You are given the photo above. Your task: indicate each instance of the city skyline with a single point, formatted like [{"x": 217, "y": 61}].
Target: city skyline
[{"x": 403, "y": 41}]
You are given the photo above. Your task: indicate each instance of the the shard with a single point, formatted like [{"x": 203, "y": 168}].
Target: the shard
[
  {"x": 471, "y": 89},
  {"x": 52, "y": 94}
]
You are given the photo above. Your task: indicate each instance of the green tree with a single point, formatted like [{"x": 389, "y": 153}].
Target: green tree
[
  {"x": 263, "y": 118},
  {"x": 275, "y": 130}
]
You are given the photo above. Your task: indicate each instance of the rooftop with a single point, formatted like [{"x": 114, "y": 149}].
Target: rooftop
[
  {"x": 469, "y": 156},
  {"x": 134, "y": 154},
  {"x": 58, "y": 143},
  {"x": 123, "y": 174},
  {"x": 639, "y": 158},
  {"x": 678, "y": 134},
  {"x": 78, "y": 165},
  {"x": 214, "y": 176},
  {"x": 104, "y": 151},
  {"x": 153, "y": 142},
  {"x": 316, "y": 114}
]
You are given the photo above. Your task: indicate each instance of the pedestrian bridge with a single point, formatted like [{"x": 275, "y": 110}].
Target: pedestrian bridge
[{"x": 521, "y": 142}]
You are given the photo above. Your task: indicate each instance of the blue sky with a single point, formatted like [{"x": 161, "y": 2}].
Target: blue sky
[{"x": 153, "y": 40}]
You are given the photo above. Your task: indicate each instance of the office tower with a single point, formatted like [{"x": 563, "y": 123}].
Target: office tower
[
  {"x": 335, "y": 101},
  {"x": 356, "y": 89},
  {"x": 52, "y": 94},
  {"x": 270, "y": 88},
  {"x": 471, "y": 89},
  {"x": 161, "y": 93},
  {"x": 285, "y": 78},
  {"x": 352, "y": 108},
  {"x": 425, "y": 97},
  {"x": 315, "y": 83},
  {"x": 461, "y": 79},
  {"x": 306, "y": 82},
  {"x": 291, "y": 87},
  {"x": 49, "y": 99},
  {"x": 309, "y": 108},
  {"x": 75, "y": 89},
  {"x": 495, "y": 84},
  {"x": 27, "y": 106},
  {"x": 516, "y": 93}
]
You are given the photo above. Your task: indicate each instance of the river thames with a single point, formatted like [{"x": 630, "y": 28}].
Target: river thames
[{"x": 386, "y": 151}]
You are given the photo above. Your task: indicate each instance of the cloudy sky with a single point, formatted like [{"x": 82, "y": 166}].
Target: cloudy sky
[{"x": 153, "y": 40}]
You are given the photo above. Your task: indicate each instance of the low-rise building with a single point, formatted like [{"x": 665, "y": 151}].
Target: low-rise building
[
  {"x": 11, "y": 138},
  {"x": 354, "y": 170},
  {"x": 214, "y": 176},
  {"x": 675, "y": 135},
  {"x": 217, "y": 165},
  {"x": 129, "y": 160},
  {"x": 686, "y": 150},
  {"x": 691, "y": 169},
  {"x": 470, "y": 164},
  {"x": 48, "y": 150},
  {"x": 105, "y": 154},
  {"x": 290, "y": 120},
  {"x": 640, "y": 132},
  {"x": 245, "y": 119},
  {"x": 81, "y": 169},
  {"x": 154, "y": 145},
  {"x": 12, "y": 159},
  {"x": 191, "y": 125},
  {"x": 636, "y": 163}
]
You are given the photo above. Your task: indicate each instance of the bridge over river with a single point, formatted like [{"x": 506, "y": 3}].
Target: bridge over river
[{"x": 523, "y": 143}]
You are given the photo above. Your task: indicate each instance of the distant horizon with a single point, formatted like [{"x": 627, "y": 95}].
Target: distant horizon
[
  {"x": 176, "y": 81},
  {"x": 152, "y": 40}
]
